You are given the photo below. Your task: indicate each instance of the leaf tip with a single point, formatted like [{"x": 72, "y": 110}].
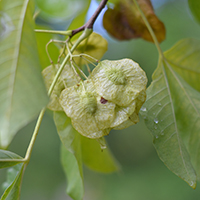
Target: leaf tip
[{"x": 193, "y": 184}]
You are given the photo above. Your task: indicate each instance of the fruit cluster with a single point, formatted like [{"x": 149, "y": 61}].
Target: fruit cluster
[{"x": 110, "y": 98}]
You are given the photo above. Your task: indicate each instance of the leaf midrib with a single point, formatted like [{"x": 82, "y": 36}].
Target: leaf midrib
[
  {"x": 180, "y": 84},
  {"x": 172, "y": 106}
]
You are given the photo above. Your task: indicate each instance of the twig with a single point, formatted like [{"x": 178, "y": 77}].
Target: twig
[
  {"x": 89, "y": 24},
  {"x": 66, "y": 33}
]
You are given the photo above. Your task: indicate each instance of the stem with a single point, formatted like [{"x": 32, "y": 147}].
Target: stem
[
  {"x": 35, "y": 133},
  {"x": 83, "y": 74},
  {"x": 89, "y": 24},
  {"x": 88, "y": 29},
  {"x": 150, "y": 30},
  {"x": 67, "y": 33},
  {"x": 84, "y": 35},
  {"x": 37, "y": 12},
  {"x": 91, "y": 21}
]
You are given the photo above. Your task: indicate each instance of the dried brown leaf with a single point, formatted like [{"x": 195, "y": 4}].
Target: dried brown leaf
[{"x": 124, "y": 21}]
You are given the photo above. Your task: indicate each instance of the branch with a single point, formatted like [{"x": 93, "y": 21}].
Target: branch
[
  {"x": 88, "y": 30},
  {"x": 89, "y": 24}
]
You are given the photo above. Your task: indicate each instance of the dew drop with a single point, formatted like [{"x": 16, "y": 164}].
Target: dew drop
[
  {"x": 154, "y": 113},
  {"x": 192, "y": 184},
  {"x": 155, "y": 127},
  {"x": 156, "y": 121},
  {"x": 143, "y": 109},
  {"x": 162, "y": 133},
  {"x": 159, "y": 104},
  {"x": 156, "y": 136}
]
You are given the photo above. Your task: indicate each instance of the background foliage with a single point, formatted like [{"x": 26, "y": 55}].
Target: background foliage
[{"x": 141, "y": 168}]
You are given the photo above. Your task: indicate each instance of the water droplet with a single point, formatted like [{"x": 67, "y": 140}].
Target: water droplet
[
  {"x": 193, "y": 184},
  {"x": 145, "y": 117},
  {"x": 143, "y": 109},
  {"x": 162, "y": 133},
  {"x": 155, "y": 127},
  {"x": 154, "y": 113},
  {"x": 156, "y": 121},
  {"x": 102, "y": 143},
  {"x": 159, "y": 104},
  {"x": 156, "y": 136}
]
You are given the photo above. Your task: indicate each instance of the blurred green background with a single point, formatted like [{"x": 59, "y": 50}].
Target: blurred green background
[{"x": 143, "y": 176}]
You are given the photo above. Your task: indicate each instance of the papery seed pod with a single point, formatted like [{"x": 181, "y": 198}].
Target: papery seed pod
[
  {"x": 119, "y": 81},
  {"x": 67, "y": 79},
  {"x": 123, "y": 114},
  {"x": 133, "y": 119},
  {"x": 127, "y": 116},
  {"x": 90, "y": 117},
  {"x": 140, "y": 100}
]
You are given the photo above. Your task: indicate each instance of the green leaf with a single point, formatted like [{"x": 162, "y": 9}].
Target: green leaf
[
  {"x": 97, "y": 159},
  {"x": 160, "y": 111},
  {"x": 42, "y": 40},
  {"x": 51, "y": 9},
  {"x": 187, "y": 111},
  {"x": 22, "y": 92},
  {"x": 72, "y": 171},
  {"x": 13, "y": 183},
  {"x": 76, "y": 148},
  {"x": 195, "y": 7},
  {"x": 8, "y": 159},
  {"x": 70, "y": 155},
  {"x": 184, "y": 58}
]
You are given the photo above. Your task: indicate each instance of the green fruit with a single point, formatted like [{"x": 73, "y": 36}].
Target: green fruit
[
  {"x": 66, "y": 79},
  {"x": 90, "y": 117},
  {"x": 119, "y": 81}
]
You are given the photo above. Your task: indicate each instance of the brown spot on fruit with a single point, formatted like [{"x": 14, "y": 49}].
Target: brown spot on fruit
[{"x": 103, "y": 101}]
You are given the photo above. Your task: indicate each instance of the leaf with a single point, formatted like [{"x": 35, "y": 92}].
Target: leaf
[
  {"x": 97, "y": 159},
  {"x": 124, "y": 21},
  {"x": 55, "y": 9},
  {"x": 22, "y": 93},
  {"x": 187, "y": 110},
  {"x": 77, "y": 149},
  {"x": 164, "y": 97},
  {"x": 72, "y": 171},
  {"x": 184, "y": 58},
  {"x": 8, "y": 159},
  {"x": 195, "y": 7},
  {"x": 70, "y": 155},
  {"x": 13, "y": 183},
  {"x": 42, "y": 40}
]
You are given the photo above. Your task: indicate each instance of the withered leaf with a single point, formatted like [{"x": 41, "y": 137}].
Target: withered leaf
[{"x": 124, "y": 21}]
